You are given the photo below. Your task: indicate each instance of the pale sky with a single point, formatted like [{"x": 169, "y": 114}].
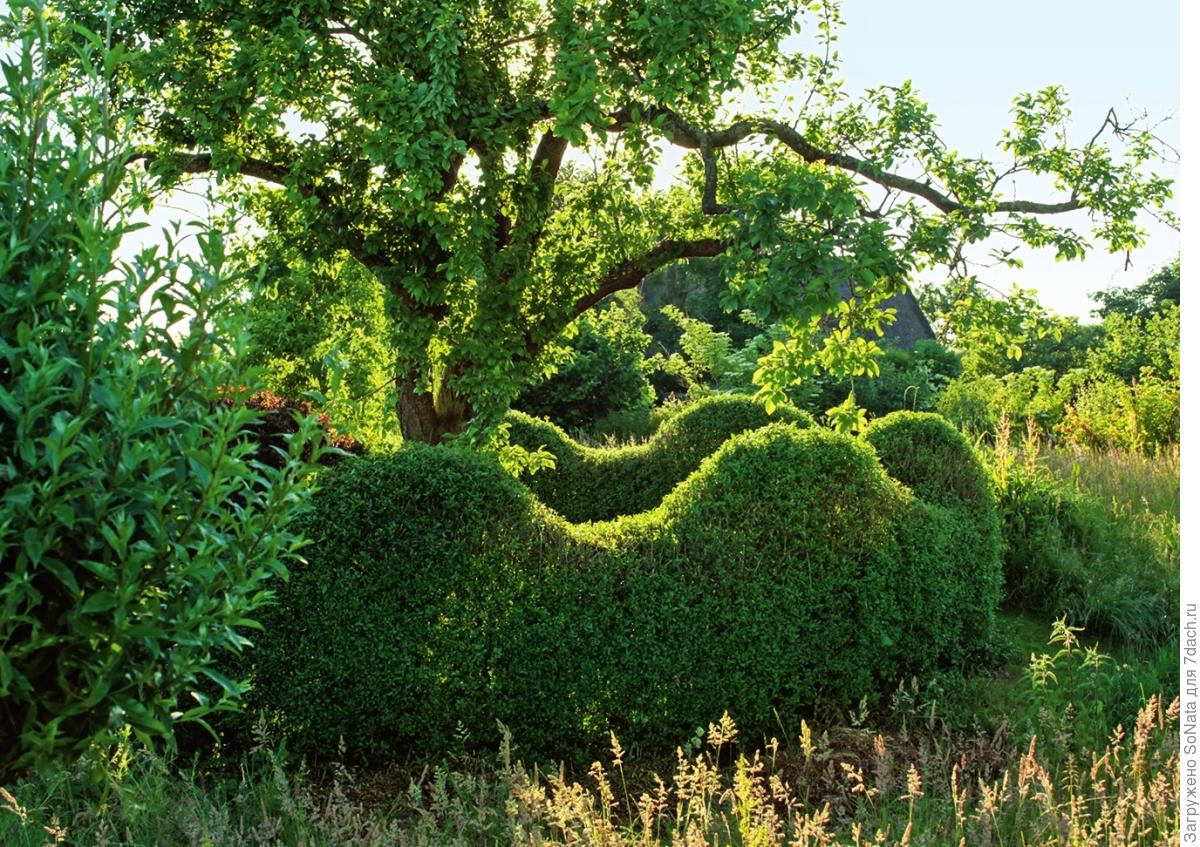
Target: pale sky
[{"x": 969, "y": 59}]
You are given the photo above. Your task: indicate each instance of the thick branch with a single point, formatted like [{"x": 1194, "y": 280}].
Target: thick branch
[
  {"x": 630, "y": 273},
  {"x": 199, "y": 163},
  {"x": 543, "y": 173}
]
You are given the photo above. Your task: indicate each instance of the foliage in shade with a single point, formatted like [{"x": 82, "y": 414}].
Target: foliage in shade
[
  {"x": 138, "y": 534},
  {"x": 440, "y": 596},
  {"x": 600, "y": 483},
  {"x": 280, "y": 418},
  {"x": 321, "y": 326},
  {"x": 605, "y": 373}
]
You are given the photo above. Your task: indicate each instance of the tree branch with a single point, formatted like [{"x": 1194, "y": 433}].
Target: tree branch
[
  {"x": 543, "y": 173},
  {"x": 682, "y": 134},
  {"x": 630, "y": 273},
  {"x": 199, "y": 163}
]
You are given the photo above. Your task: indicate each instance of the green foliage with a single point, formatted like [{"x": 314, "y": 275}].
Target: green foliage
[
  {"x": 137, "y": 534},
  {"x": 1080, "y": 693},
  {"x": 1126, "y": 796},
  {"x": 707, "y": 359},
  {"x": 600, "y": 483},
  {"x": 320, "y": 326},
  {"x": 433, "y": 150},
  {"x": 911, "y": 380},
  {"x": 924, "y": 452},
  {"x": 1106, "y": 413},
  {"x": 777, "y": 575},
  {"x": 1126, "y": 397},
  {"x": 1160, "y": 289},
  {"x": 1133, "y": 344},
  {"x": 977, "y": 405},
  {"x": 1063, "y": 352},
  {"x": 991, "y": 331},
  {"x": 604, "y": 375},
  {"x": 1095, "y": 559},
  {"x": 697, "y": 288}
]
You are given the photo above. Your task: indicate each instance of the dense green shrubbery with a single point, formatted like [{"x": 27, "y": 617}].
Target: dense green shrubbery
[
  {"x": 925, "y": 453},
  {"x": 1125, "y": 397},
  {"x": 320, "y": 326},
  {"x": 441, "y": 596},
  {"x": 976, "y": 405},
  {"x": 605, "y": 373},
  {"x": 137, "y": 532},
  {"x": 910, "y": 380},
  {"x": 600, "y": 483},
  {"x": 1069, "y": 553}
]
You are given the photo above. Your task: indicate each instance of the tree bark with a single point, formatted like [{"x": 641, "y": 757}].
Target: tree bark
[{"x": 428, "y": 417}]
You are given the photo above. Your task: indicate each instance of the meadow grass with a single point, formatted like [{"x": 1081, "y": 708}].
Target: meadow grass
[
  {"x": 908, "y": 782},
  {"x": 1135, "y": 482},
  {"x": 1092, "y": 535}
]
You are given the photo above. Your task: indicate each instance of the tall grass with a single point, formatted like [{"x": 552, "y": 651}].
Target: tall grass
[
  {"x": 1124, "y": 794},
  {"x": 845, "y": 786},
  {"x": 1137, "y": 482},
  {"x": 1094, "y": 536}
]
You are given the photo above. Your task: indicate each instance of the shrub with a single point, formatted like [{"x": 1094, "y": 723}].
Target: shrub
[
  {"x": 910, "y": 380},
  {"x": 925, "y": 453},
  {"x": 976, "y": 404},
  {"x": 605, "y": 374},
  {"x": 281, "y": 418},
  {"x": 591, "y": 483},
  {"x": 319, "y": 325},
  {"x": 137, "y": 532},
  {"x": 440, "y": 596},
  {"x": 1067, "y": 552}
]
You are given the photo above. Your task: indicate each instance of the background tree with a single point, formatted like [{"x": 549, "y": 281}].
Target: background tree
[
  {"x": 1142, "y": 301},
  {"x": 429, "y": 141}
]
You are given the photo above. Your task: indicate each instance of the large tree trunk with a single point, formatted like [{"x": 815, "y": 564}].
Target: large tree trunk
[{"x": 428, "y": 417}]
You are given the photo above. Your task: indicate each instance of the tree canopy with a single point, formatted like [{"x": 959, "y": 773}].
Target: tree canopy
[
  {"x": 1142, "y": 301},
  {"x": 493, "y": 165}
]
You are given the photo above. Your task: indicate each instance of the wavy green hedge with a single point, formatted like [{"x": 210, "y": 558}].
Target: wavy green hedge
[
  {"x": 789, "y": 570},
  {"x": 601, "y": 483}
]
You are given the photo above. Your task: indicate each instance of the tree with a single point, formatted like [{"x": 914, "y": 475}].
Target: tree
[
  {"x": 491, "y": 163},
  {"x": 991, "y": 330},
  {"x": 1142, "y": 301}
]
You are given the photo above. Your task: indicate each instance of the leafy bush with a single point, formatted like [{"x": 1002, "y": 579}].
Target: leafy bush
[
  {"x": 1132, "y": 344},
  {"x": 590, "y": 483},
  {"x": 780, "y": 573},
  {"x": 319, "y": 325},
  {"x": 977, "y": 404},
  {"x": 924, "y": 452},
  {"x": 1079, "y": 693},
  {"x": 1105, "y": 413},
  {"x": 281, "y": 418},
  {"x": 910, "y": 380},
  {"x": 137, "y": 532},
  {"x": 604, "y": 375},
  {"x": 1069, "y": 553}
]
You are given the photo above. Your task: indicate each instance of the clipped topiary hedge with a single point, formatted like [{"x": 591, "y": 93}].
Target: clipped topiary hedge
[
  {"x": 924, "y": 452},
  {"x": 601, "y": 483},
  {"x": 441, "y": 596}
]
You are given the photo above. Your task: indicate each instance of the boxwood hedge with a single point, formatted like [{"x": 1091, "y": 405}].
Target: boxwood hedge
[
  {"x": 600, "y": 483},
  {"x": 789, "y": 570}
]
